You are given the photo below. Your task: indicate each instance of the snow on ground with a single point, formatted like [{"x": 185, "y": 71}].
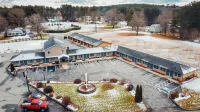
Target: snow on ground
[
  {"x": 194, "y": 85},
  {"x": 184, "y": 52},
  {"x": 21, "y": 46},
  {"x": 182, "y": 98},
  {"x": 20, "y": 37},
  {"x": 113, "y": 93}
]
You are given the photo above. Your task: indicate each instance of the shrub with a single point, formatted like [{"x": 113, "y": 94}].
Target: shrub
[
  {"x": 122, "y": 83},
  {"x": 174, "y": 95},
  {"x": 48, "y": 81},
  {"x": 58, "y": 97},
  {"x": 77, "y": 81},
  {"x": 48, "y": 89},
  {"x": 51, "y": 94},
  {"x": 39, "y": 85},
  {"x": 130, "y": 87},
  {"x": 107, "y": 86},
  {"x": 113, "y": 80},
  {"x": 66, "y": 100}
]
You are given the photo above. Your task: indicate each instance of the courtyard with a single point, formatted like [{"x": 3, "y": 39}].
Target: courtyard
[{"x": 113, "y": 68}]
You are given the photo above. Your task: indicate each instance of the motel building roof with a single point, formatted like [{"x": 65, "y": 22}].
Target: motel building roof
[
  {"x": 86, "y": 39},
  {"x": 53, "y": 42},
  {"x": 167, "y": 64}
]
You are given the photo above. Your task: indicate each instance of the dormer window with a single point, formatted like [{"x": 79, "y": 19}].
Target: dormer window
[{"x": 49, "y": 52}]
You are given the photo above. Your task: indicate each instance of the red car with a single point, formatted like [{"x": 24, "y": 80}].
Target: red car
[{"x": 35, "y": 104}]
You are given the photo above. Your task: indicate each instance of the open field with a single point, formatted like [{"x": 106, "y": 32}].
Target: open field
[{"x": 184, "y": 52}]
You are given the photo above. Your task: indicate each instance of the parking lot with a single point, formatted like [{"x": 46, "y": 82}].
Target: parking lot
[{"x": 113, "y": 68}]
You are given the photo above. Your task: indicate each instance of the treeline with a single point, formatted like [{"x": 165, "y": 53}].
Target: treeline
[{"x": 182, "y": 20}]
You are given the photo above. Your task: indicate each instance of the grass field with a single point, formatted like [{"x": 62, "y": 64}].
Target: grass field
[
  {"x": 130, "y": 34},
  {"x": 116, "y": 99}
]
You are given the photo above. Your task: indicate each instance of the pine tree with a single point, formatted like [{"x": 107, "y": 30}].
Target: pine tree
[
  {"x": 137, "y": 94},
  {"x": 140, "y": 93}
]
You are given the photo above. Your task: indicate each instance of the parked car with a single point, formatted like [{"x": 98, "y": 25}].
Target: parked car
[
  {"x": 37, "y": 96},
  {"x": 35, "y": 104}
]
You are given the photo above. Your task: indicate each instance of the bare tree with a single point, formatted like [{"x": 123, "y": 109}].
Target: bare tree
[
  {"x": 16, "y": 17},
  {"x": 3, "y": 23},
  {"x": 164, "y": 19},
  {"x": 94, "y": 16},
  {"x": 138, "y": 20},
  {"x": 35, "y": 21},
  {"x": 113, "y": 16}
]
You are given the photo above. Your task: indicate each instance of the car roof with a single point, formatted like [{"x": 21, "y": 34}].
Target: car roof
[{"x": 35, "y": 100}]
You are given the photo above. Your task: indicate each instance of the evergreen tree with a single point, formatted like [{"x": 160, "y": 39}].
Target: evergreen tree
[
  {"x": 12, "y": 67},
  {"x": 137, "y": 94},
  {"x": 140, "y": 98}
]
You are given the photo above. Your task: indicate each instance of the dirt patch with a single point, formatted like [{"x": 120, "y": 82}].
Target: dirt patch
[
  {"x": 130, "y": 34},
  {"x": 168, "y": 36}
]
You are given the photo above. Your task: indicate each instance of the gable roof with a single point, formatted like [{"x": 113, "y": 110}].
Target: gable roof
[
  {"x": 52, "y": 42},
  {"x": 86, "y": 39},
  {"x": 170, "y": 65}
]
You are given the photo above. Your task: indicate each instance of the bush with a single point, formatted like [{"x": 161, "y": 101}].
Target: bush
[
  {"x": 48, "y": 81},
  {"x": 48, "y": 89},
  {"x": 58, "y": 97},
  {"x": 77, "y": 81},
  {"x": 174, "y": 95},
  {"x": 39, "y": 85},
  {"x": 107, "y": 86},
  {"x": 66, "y": 100},
  {"x": 130, "y": 87},
  {"x": 63, "y": 31},
  {"x": 51, "y": 94},
  {"x": 113, "y": 80}
]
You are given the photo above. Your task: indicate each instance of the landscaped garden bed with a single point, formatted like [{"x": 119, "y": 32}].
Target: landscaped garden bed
[
  {"x": 108, "y": 96},
  {"x": 187, "y": 99}
]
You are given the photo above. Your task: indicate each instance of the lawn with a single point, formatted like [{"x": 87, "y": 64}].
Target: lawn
[
  {"x": 117, "y": 99},
  {"x": 192, "y": 103},
  {"x": 109, "y": 27},
  {"x": 168, "y": 36},
  {"x": 130, "y": 34}
]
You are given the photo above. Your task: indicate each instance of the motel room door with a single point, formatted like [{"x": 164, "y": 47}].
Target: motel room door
[{"x": 150, "y": 66}]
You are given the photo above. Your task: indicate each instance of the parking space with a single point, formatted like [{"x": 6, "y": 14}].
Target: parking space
[{"x": 114, "y": 68}]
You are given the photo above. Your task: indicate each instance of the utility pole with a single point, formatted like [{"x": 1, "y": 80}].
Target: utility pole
[{"x": 27, "y": 81}]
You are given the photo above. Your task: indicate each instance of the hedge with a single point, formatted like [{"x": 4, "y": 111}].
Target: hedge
[{"x": 62, "y": 31}]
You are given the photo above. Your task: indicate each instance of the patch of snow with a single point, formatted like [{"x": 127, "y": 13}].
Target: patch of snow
[
  {"x": 113, "y": 93},
  {"x": 141, "y": 105},
  {"x": 72, "y": 107},
  {"x": 181, "y": 98},
  {"x": 41, "y": 89},
  {"x": 89, "y": 95},
  {"x": 132, "y": 92},
  {"x": 193, "y": 85}
]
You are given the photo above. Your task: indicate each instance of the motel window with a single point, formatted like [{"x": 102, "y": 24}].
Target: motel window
[
  {"x": 30, "y": 61},
  {"x": 49, "y": 52},
  {"x": 155, "y": 66},
  {"x": 179, "y": 75},
  {"x": 38, "y": 60},
  {"x": 91, "y": 54}
]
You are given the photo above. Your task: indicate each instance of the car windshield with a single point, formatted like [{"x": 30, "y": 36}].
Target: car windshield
[{"x": 40, "y": 102}]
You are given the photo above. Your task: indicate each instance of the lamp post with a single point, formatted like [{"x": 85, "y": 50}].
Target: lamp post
[
  {"x": 86, "y": 80},
  {"x": 25, "y": 75}
]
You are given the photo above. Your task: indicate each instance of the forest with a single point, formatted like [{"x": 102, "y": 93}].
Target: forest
[{"x": 184, "y": 20}]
